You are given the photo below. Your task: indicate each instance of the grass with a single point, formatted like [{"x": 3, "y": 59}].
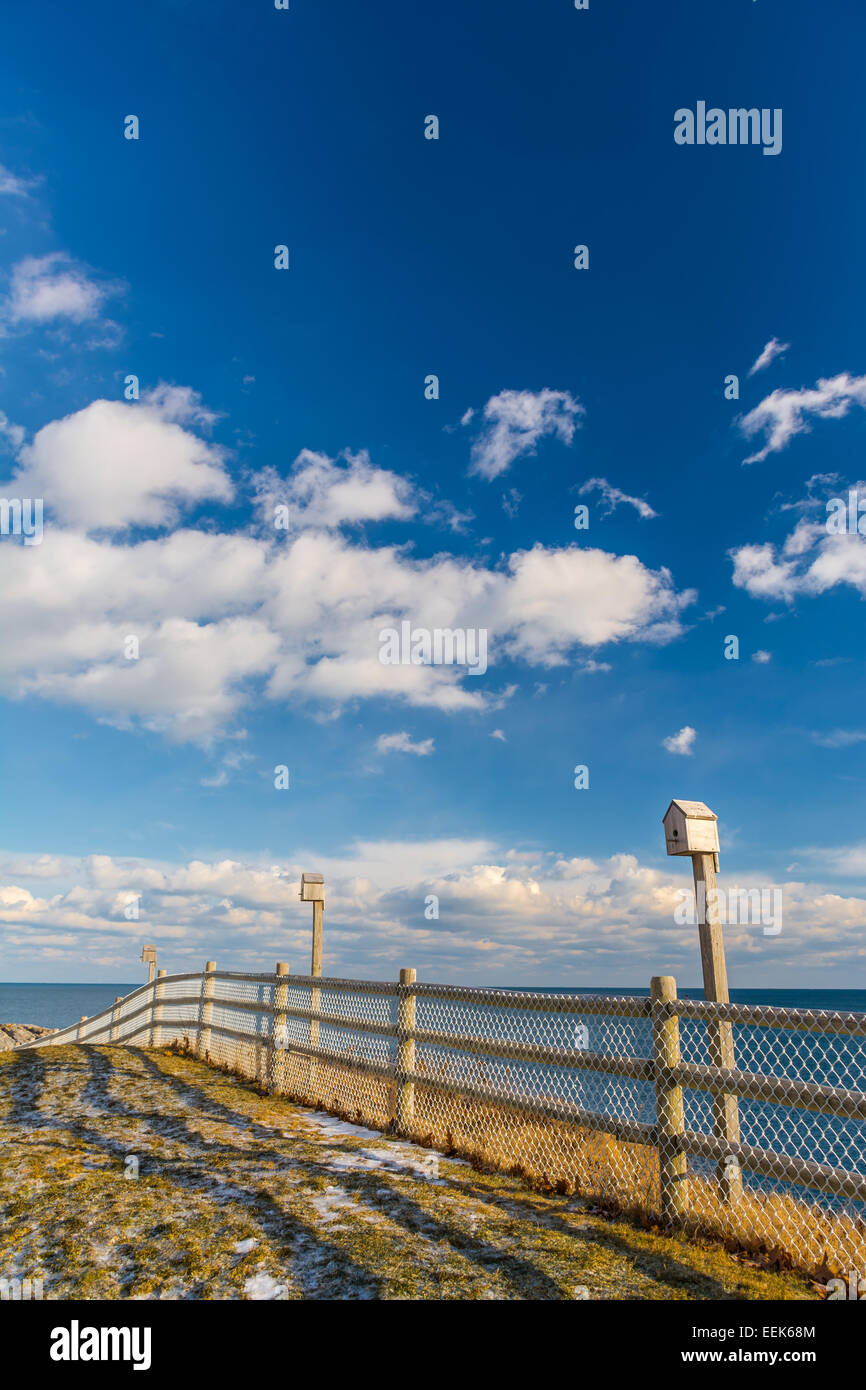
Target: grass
[
  {"x": 242, "y": 1194},
  {"x": 772, "y": 1227}
]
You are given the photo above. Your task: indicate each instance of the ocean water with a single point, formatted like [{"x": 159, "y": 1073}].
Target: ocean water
[{"x": 56, "y": 1006}]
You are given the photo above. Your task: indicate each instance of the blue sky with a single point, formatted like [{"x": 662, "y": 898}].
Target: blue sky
[{"x": 153, "y": 780}]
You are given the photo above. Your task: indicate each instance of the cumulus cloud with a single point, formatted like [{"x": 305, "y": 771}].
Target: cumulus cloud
[
  {"x": 613, "y": 496},
  {"x": 810, "y": 561},
  {"x": 49, "y": 289},
  {"x": 515, "y": 421},
  {"x": 402, "y": 743},
  {"x": 323, "y": 492},
  {"x": 546, "y": 915},
  {"x": 116, "y": 464},
  {"x": 224, "y": 619},
  {"x": 215, "y": 613},
  {"x": 683, "y": 742},
  {"x": 556, "y": 599},
  {"x": 768, "y": 355},
  {"x": 784, "y": 414}
]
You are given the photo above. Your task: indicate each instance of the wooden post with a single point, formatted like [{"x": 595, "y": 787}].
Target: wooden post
[
  {"x": 82, "y": 1019},
  {"x": 405, "y": 1108},
  {"x": 313, "y": 891},
  {"x": 207, "y": 989},
  {"x": 148, "y": 954},
  {"x": 112, "y": 1032},
  {"x": 670, "y": 1113},
  {"x": 156, "y": 1011},
  {"x": 279, "y": 1036},
  {"x": 720, "y": 1034},
  {"x": 315, "y": 994}
]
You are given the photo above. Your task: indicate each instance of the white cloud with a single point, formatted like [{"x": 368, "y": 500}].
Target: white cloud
[
  {"x": 546, "y": 915},
  {"x": 840, "y": 738},
  {"x": 683, "y": 742},
  {"x": 762, "y": 657},
  {"x": 116, "y": 464},
  {"x": 515, "y": 421},
  {"x": 225, "y": 619},
  {"x": 14, "y": 435},
  {"x": 810, "y": 561},
  {"x": 767, "y": 355},
  {"x": 402, "y": 743},
  {"x": 46, "y": 289},
  {"x": 613, "y": 496},
  {"x": 324, "y": 493},
  {"x": 214, "y": 613},
  {"x": 14, "y": 186},
  {"x": 555, "y": 600},
  {"x": 784, "y": 414},
  {"x": 497, "y": 733}
]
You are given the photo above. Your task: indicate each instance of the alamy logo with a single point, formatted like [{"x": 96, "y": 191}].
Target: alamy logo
[
  {"x": 759, "y": 907},
  {"x": 15, "y": 1289},
  {"x": 76, "y": 1343},
  {"x": 737, "y": 126},
  {"x": 15, "y": 521},
  {"x": 847, "y": 518},
  {"x": 443, "y": 646}
]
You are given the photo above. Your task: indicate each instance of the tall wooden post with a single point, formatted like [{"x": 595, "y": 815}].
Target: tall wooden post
[
  {"x": 279, "y": 1039},
  {"x": 313, "y": 891},
  {"x": 670, "y": 1113},
  {"x": 156, "y": 1011},
  {"x": 720, "y": 1033},
  {"x": 405, "y": 1107},
  {"x": 82, "y": 1019},
  {"x": 206, "y": 1016},
  {"x": 691, "y": 828}
]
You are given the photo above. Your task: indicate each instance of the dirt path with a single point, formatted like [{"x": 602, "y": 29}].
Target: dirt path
[{"x": 244, "y": 1196}]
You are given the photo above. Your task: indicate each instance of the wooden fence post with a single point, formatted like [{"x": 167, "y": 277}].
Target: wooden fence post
[
  {"x": 670, "y": 1113},
  {"x": 112, "y": 1032},
  {"x": 156, "y": 1011},
  {"x": 405, "y": 1107},
  {"x": 692, "y": 828},
  {"x": 206, "y": 1010},
  {"x": 82, "y": 1019},
  {"x": 313, "y": 891},
  {"x": 279, "y": 1036},
  {"x": 720, "y": 1033}
]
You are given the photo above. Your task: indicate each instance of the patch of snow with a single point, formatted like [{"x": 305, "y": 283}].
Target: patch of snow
[
  {"x": 329, "y": 1125},
  {"x": 263, "y": 1286},
  {"x": 330, "y": 1203},
  {"x": 244, "y": 1247},
  {"x": 398, "y": 1158}
]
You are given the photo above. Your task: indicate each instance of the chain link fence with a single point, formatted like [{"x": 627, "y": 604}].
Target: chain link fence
[{"x": 745, "y": 1123}]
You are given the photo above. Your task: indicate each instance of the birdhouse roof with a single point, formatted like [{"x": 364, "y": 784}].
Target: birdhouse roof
[{"x": 697, "y": 810}]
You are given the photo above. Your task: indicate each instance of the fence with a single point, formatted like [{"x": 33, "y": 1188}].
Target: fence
[{"x": 619, "y": 1098}]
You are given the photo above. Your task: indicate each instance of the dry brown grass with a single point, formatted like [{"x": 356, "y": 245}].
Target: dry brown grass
[{"x": 771, "y": 1228}]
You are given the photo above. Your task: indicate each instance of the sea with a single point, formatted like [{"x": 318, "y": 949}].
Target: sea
[{"x": 58, "y": 1005}]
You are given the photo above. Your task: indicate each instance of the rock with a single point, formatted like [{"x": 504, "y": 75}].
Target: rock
[{"x": 15, "y": 1034}]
